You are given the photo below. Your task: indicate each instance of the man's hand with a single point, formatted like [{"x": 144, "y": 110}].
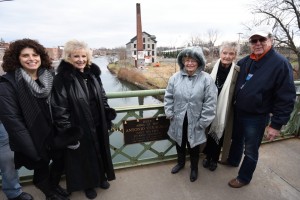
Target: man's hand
[{"x": 271, "y": 133}]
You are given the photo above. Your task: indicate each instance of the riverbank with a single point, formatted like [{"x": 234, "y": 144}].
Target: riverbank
[{"x": 148, "y": 77}]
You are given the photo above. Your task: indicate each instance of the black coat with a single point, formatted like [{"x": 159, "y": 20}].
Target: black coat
[
  {"x": 30, "y": 143},
  {"x": 91, "y": 163}
]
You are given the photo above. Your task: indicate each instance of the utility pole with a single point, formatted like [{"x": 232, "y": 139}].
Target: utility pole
[{"x": 239, "y": 37}]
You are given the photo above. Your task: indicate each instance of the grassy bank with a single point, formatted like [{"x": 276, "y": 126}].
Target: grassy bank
[{"x": 150, "y": 77}]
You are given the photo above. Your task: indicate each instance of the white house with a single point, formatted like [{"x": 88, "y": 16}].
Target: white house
[{"x": 149, "y": 47}]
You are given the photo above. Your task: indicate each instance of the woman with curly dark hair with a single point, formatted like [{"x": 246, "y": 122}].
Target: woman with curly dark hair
[{"x": 25, "y": 110}]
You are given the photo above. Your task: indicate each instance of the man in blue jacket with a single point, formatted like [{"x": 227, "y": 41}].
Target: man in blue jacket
[
  {"x": 263, "y": 101},
  {"x": 10, "y": 179}
]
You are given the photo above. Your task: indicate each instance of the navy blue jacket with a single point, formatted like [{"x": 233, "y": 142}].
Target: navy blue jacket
[{"x": 271, "y": 89}]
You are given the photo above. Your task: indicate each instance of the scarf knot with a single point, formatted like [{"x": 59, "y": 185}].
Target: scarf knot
[{"x": 45, "y": 78}]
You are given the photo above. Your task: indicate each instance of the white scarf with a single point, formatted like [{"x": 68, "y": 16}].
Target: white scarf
[{"x": 218, "y": 124}]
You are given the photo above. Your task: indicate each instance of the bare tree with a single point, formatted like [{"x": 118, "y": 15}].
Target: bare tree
[
  {"x": 195, "y": 41},
  {"x": 121, "y": 52},
  {"x": 212, "y": 36},
  {"x": 284, "y": 17}
]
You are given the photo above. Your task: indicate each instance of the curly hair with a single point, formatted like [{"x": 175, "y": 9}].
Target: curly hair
[
  {"x": 74, "y": 45},
  {"x": 11, "y": 56}
]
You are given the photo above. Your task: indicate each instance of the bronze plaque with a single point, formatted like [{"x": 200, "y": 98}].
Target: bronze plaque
[{"x": 145, "y": 130}]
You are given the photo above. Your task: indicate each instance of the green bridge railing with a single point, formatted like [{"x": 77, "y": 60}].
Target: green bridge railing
[
  {"x": 141, "y": 153},
  {"x": 156, "y": 151}
]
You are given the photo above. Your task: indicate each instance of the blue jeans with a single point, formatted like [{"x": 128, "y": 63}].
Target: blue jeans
[
  {"x": 248, "y": 131},
  {"x": 10, "y": 179}
]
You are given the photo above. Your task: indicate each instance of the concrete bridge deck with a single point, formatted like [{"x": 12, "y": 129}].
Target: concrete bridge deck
[{"x": 277, "y": 177}]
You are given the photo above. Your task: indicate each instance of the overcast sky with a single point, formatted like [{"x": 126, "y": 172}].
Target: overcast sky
[{"x": 112, "y": 23}]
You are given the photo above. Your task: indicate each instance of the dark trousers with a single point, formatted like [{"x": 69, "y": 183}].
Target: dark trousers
[
  {"x": 41, "y": 178},
  {"x": 57, "y": 167},
  {"x": 41, "y": 173},
  {"x": 181, "y": 150},
  {"x": 247, "y": 135},
  {"x": 212, "y": 149}
]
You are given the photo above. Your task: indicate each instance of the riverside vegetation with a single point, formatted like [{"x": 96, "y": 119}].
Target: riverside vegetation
[
  {"x": 148, "y": 77},
  {"x": 152, "y": 77}
]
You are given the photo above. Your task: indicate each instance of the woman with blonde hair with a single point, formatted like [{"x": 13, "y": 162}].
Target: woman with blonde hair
[{"x": 79, "y": 105}]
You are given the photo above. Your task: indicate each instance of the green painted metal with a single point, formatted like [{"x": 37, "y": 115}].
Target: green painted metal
[
  {"x": 137, "y": 153},
  {"x": 135, "y": 93},
  {"x": 157, "y": 151}
]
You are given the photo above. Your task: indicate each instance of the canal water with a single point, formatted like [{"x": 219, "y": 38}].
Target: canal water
[{"x": 112, "y": 84}]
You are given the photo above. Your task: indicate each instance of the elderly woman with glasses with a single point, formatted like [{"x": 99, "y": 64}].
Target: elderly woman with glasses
[{"x": 190, "y": 104}]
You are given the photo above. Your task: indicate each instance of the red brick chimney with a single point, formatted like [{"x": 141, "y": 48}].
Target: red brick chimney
[
  {"x": 139, "y": 32},
  {"x": 140, "y": 60}
]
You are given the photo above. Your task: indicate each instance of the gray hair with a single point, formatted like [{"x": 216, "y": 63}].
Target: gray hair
[{"x": 230, "y": 45}]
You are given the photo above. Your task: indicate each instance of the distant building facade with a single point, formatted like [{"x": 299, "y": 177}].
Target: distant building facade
[
  {"x": 55, "y": 53},
  {"x": 149, "y": 47},
  {"x": 3, "y": 47}
]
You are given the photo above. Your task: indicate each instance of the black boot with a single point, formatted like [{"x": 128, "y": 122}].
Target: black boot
[
  {"x": 206, "y": 162},
  {"x": 194, "y": 174},
  {"x": 177, "y": 168},
  {"x": 194, "y": 168},
  {"x": 61, "y": 191},
  {"x": 180, "y": 163},
  {"x": 213, "y": 165},
  {"x": 46, "y": 188}
]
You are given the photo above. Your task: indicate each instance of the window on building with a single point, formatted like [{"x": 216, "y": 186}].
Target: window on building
[
  {"x": 152, "y": 53},
  {"x": 134, "y": 45},
  {"x": 148, "y": 46},
  {"x": 143, "y": 46},
  {"x": 134, "y": 52},
  {"x": 152, "y": 46},
  {"x": 143, "y": 39}
]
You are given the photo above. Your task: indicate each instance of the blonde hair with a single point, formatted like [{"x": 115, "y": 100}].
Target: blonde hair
[{"x": 74, "y": 45}]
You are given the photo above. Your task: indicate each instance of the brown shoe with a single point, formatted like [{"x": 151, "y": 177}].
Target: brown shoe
[{"x": 235, "y": 183}]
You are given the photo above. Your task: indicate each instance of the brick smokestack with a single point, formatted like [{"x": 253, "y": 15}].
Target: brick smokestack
[{"x": 139, "y": 33}]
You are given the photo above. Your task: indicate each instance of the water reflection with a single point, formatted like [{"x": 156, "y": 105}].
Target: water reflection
[{"x": 112, "y": 84}]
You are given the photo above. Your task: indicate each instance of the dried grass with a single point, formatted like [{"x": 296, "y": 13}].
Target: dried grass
[{"x": 150, "y": 77}]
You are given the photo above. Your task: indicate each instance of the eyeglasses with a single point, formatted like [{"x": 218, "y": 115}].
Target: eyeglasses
[
  {"x": 261, "y": 40},
  {"x": 190, "y": 61}
]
